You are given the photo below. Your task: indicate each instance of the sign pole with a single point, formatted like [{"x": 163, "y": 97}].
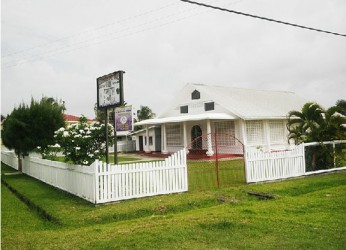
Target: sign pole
[
  {"x": 115, "y": 141},
  {"x": 106, "y": 124},
  {"x": 110, "y": 94}
]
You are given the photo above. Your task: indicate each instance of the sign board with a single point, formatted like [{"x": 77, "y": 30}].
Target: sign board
[
  {"x": 124, "y": 119},
  {"x": 110, "y": 91}
]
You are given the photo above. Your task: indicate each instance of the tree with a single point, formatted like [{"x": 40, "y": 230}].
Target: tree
[
  {"x": 314, "y": 124},
  {"x": 305, "y": 125},
  {"x": 144, "y": 113},
  {"x": 28, "y": 127},
  {"x": 341, "y": 105}
]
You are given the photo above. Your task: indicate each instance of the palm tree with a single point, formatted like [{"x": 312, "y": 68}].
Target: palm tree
[
  {"x": 305, "y": 126},
  {"x": 314, "y": 124},
  {"x": 334, "y": 124}
]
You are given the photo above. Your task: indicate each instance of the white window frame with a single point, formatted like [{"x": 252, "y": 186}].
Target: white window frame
[
  {"x": 276, "y": 131},
  {"x": 255, "y": 132},
  {"x": 225, "y": 127},
  {"x": 174, "y": 135}
]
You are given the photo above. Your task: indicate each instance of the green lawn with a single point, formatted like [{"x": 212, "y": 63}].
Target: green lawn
[
  {"x": 202, "y": 174},
  {"x": 307, "y": 213},
  {"x": 121, "y": 159}
]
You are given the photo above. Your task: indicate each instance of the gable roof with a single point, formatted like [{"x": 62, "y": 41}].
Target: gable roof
[{"x": 247, "y": 104}]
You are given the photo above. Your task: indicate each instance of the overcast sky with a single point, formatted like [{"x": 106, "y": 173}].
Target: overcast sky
[{"x": 58, "y": 49}]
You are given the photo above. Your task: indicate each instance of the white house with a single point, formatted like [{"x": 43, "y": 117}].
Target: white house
[{"x": 255, "y": 117}]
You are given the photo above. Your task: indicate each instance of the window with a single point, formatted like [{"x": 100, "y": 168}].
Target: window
[
  {"x": 276, "y": 131},
  {"x": 150, "y": 140},
  {"x": 174, "y": 137},
  {"x": 254, "y": 131},
  {"x": 195, "y": 95},
  {"x": 208, "y": 106},
  {"x": 184, "y": 109},
  {"x": 222, "y": 130}
]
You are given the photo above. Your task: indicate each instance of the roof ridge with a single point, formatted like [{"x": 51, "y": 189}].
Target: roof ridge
[{"x": 241, "y": 88}]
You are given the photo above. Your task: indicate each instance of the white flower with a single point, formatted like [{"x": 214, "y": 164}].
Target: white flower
[
  {"x": 38, "y": 147},
  {"x": 61, "y": 129},
  {"x": 85, "y": 162},
  {"x": 65, "y": 134},
  {"x": 96, "y": 151},
  {"x": 77, "y": 148}
]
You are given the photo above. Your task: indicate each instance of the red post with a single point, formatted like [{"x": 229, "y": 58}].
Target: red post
[{"x": 217, "y": 162}]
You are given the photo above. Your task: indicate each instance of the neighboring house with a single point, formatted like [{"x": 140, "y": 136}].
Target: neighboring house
[
  {"x": 255, "y": 117},
  {"x": 69, "y": 119},
  {"x": 153, "y": 139}
]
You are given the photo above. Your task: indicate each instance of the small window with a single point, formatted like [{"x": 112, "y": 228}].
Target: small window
[
  {"x": 150, "y": 140},
  {"x": 195, "y": 95},
  {"x": 208, "y": 106},
  {"x": 184, "y": 109}
]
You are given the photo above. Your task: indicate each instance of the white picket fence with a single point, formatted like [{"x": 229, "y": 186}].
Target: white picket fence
[
  {"x": 264, "y": 166},
  {"x": 9, "y": 158},
  {"x": 101, "y": 182},
  {"x": 273, "y": 165},
  {"x": 127, "y": 181}
]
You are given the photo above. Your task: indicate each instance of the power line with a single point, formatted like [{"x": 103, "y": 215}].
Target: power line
[
  {"x": 263, "y": 18},
  {"x": 89, "y": 31},
  {"x": 118, "y": 34}
]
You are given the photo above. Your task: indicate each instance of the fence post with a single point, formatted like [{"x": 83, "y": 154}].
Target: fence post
[
  {"x": 245, "y": 163},
  {"x": 97, "y": 186},
  {"x": 304, "y": 162},
  {"x": 334, "y": 156}
]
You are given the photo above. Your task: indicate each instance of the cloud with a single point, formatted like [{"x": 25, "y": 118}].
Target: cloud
[{"x": 163, "y": 46}]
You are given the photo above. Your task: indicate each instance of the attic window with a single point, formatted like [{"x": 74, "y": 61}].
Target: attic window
[
  {"x": 184, "y": 109},
  {"x": 209, "y": 106},
  {"x": 195, "y": 95}
]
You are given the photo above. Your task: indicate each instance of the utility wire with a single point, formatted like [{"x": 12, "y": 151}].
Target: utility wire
[
  {"x": 263, "y": 18},
  {"x": 118, "y": 34},
  {"x": 89, "y": 31}
]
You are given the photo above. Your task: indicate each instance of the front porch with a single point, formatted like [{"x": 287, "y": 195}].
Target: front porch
[{"x": 168, "y": 135}]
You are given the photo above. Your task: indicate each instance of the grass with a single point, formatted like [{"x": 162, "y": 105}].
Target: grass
[
  {"x": 121, "y": 159},
  {"x": 307, "y": 213},
  {"x": 202, "y": 174}
]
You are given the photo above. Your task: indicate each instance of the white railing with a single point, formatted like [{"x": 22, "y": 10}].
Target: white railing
[
  {"x": 101, "y": 182},
  {"x": 265, "y": 166},
  {"x": 74, "y": 179},
  {"x": 9, "y": 158},
  {"x": 124, "y": 146},
  {"x": 127, "y": 181}
]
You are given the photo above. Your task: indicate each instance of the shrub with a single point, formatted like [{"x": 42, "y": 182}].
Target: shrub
[{"x": 83, "y": 143}]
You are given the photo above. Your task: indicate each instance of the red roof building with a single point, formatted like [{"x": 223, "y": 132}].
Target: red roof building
[{"x": 75, "y": 119}]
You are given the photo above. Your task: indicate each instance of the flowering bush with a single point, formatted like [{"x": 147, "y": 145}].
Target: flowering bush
[
  {"x": 83, "y": 143},
  {"x": 50, "y": 152}
]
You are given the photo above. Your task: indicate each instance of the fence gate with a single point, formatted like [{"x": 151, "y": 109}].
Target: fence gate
[{"x": 215, "y": 160}]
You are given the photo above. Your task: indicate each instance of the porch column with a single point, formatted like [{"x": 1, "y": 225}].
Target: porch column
[
  {"x": 147, "y": 149},
  {"x": 164, "y": 139},
  {"x": 243, "y": 132},
  {"x": 210, "y": 151},
  {"x": 184, "y": 135},
  {"x": 266, "y": 129}
]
